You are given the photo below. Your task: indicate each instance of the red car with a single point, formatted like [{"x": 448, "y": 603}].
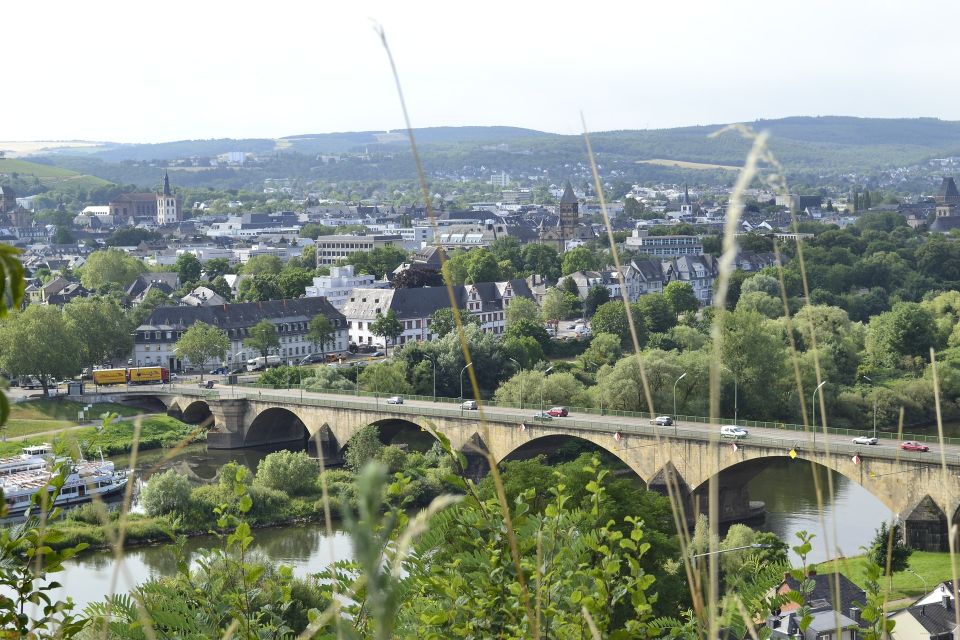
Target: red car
[
  {"x": 558, "y": 412},
  {"x": 910, "y": 445}
]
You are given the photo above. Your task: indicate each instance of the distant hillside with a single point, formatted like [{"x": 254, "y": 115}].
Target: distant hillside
[
  {"x": 28, "y": 178},
  {"x": 340, "y": 142}
]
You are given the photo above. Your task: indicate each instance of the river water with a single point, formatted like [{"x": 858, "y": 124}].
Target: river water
[{"x": 848, "y": 522}]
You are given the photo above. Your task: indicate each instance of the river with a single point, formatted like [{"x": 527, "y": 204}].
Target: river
[{"x": 786, "y": 487}]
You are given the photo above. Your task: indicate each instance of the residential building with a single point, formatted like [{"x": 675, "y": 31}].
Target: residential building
[
  {"x": 414, "y": 308},
  {"x": 796, "y": 202},
  {"x": 338, "y": 286},
  {"x": 155, "y": 340},
  {"x": 698, "y": 271},
  {"x": 932, "y": 617},
  {"x": 333, "y": 249},
  {"x": 468, "y": 236},
  {"x": 203, "y": 297},
  {"x": 833, "y": 604},
  {"x": 664, "y": 246}
]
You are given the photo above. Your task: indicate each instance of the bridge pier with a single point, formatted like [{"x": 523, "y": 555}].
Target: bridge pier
[{"x": 228, "y": 431}]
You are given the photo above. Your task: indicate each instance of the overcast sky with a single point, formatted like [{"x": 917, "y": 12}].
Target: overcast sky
[{"x": 132, "y": 71}]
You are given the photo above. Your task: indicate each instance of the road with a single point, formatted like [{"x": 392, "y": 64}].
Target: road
[{"x": 788, "y": 439}]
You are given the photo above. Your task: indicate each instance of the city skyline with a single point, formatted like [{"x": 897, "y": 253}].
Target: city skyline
[{"x": 186, "y": 71}]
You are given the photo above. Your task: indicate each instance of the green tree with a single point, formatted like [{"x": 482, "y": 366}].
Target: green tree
[
  {"x": 263, "y": 264},
  {"x": 905, "y": 332},
  {"x": 442, "y": 321},
  {"x": 314, "y": 231},
  {"x": 529, "y": 327},
  {"x": 140, "y": 313},
  {"x": 102, "y": 328},
  {"x": 612, "y": 318},
  {"x": 579, "y": 259},
  {"x": 482, "y": 267},
  {"x": 633, "y": 208},
  {"x": 763, "y": 283},
  {"x": 110, "y": 266},
  {"x": 62, "y": 235},
  {"x": 166, "y": 493},
  {"x": 596, "y": 296},
  {"x": 541, "y": 260},
  {"x": 216, "y": 267},
  {"x": 604, "y": 349},
  {"x": 657, "y": 311},
  {"x": 508, "y": 248},
  {"x": 293, "y": 472},
  {"x": 365, "y": 445},
  {"x": 188, "y": 268},
  {"x": 262, "y": 338},
  {"x": 321, "y": 332},
  {"x": 293, "y": 282},
  {"x": 888, "y": 542},
  {"x": 259, "y": 288},
  {"x": 557, "y": 305},
  {"x": 521, "y": 309},
  {"x": 221, "y": 287},
  {"x": 681, "y": 297},
  {"x": 377, "y": 262},
  {"x": 387, "y": 327},
  {"x": 201, "y": 343},
  {"x": 39, "y": 342},
  {"x": 389, "y": 376},
  {"x": 758, "y": 301},
  {"x": 524, "y": 349}
]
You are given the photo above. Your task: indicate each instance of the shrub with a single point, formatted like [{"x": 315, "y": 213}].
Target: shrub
[
  {"x": 364, "y": 446},
  {"x": 394, "y": 458},
  {"x": 294, "y": 473},
  {"x": 165, "y": 493}
]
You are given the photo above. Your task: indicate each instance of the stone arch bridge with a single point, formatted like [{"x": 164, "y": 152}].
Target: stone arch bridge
[{"x": 922, "y": 490}]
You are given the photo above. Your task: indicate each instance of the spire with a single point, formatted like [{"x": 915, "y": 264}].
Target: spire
[
  {"x": 166, "y": 184},
  {"x": 568, "y": 195},
  {"x": 686, "y": 195}
]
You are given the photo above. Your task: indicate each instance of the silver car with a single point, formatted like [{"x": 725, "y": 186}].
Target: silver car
[
  {"x": 394, "y": 400},
  {"x": 866, "y": 440},
  {"x": 470, "y": 405}
]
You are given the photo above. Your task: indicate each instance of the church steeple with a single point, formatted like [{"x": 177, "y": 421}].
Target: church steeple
[{"x": 166, "y": 184}]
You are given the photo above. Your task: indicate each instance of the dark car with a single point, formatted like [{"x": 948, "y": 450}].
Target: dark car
[
  {"x": 219, "y": 371},
  {"x": 313, "y": 358},
  {"x": 558, "y": 412},
  {"x": 662, "y": 421}
]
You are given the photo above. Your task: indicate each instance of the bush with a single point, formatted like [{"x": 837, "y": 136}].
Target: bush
[
  {"x": 393, "y": 458},
  {"x": 294, "y": 473},
  {"x": 165, "y": 493},
  {"x": 364, "y": 446}
]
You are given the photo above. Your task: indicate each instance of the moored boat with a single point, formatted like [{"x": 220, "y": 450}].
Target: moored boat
[
  {"x": 84, "y": 481},
  {"x": 31, "y": 458}
]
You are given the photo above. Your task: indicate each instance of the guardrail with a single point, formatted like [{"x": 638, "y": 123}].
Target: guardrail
[{"x": 501, "y": 414}]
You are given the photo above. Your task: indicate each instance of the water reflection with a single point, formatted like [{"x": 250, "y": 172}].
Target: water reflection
[{"x": 846, "y": 522}]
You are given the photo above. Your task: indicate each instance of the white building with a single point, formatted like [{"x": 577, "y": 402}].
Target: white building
[
  {"x": 664, "y": 246},
  {"x": 338, "y": 286},
  {"x": 168, "y": 205}
]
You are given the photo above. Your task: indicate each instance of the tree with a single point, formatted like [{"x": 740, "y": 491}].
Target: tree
[
  {"x": 313, "y": 230},
  {"x": 216, "y": 267},
  {"x": 102, "y": 328},
  {"x": 524, "y": 349},
  {"x": 293, "y": 282},
  {"x": 557, "y": 305},
  {"x": 906, "y": 331},
  {"x": 364, "y": 446},
  {"x": 681, "y": 297},
  {"x": 508, "y": 248},
  {"x": 39, "y": 342},
  {"x": 529, "y": 327},
  {"x": 763, "y": 283},
  {"x": 632, "y": 208},
  {"x": 389, "y": 376},
  {"x": 377, "y": 262},
  {"x": 259, "y": 287},
  {"x": 292, "y": 472},
  {"x": 166, "y": 493},
  {"x": 321, "y": 332},
  {"x": 482, "y": 267},
  {"x": 188, "y": 268},
  {"x": 612, "y": 318},
  {"x": 888, "y": 541},
  {"x": 263, "y": 337},
  {"x": 109, "y": 266},
  {"x": 541, "y": 260},
  {"x": 154, "y": 298},
  {"x": 387, "y": 326},
  {"x": 658, "y": 311},
  {"x": 442, "y": 321},
  {"x": 758, "y": 301},
  {"x": 415, "y": 277},
  {"x": 596, "y": 296},
  {"x": 221, "y": 287},
  {"x": 130, "y": 237},
  {"x": 520, "y": 309},
  {"x": 62, "y": 235},
  {"x": 202, "y": 343},
  {"x": 263, "y": 264},
  {"x": 579, "y": 259},
  {"x": 604, "y": 349}
]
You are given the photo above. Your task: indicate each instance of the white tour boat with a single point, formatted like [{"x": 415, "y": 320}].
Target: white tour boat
[
  {"x": 34, "y": 457},
  {"x": 85, "y": 479}
]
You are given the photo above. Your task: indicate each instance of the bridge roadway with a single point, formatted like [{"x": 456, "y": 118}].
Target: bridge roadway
[{"x": 923, "y": 488}]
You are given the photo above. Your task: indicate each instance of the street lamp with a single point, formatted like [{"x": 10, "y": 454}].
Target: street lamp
[
  {"x": 735, "y": 421},
  {"x": 813, "y": 407},
  {"x": 469, "y": 364},
  {"x": 682, "y": 376},
  {"x": 520, "y": 370},
  {"x": 546, "y": 371},
  {"x": 720, "y": 551},
  {"x": 356, "y": 377},
  {"x": 433, "y": 363},
  {"x": 868, "y": 379},
  {"x": 922, "y": 579}
]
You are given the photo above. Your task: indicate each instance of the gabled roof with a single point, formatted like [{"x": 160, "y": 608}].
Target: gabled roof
[
  {"x": 948, "y": 191},
  {"x": 245, "y": 314},
  {"x": 568, "y": 196},
  {"x": 934, "y": 618},
  {"x": 825, "y": 594}
]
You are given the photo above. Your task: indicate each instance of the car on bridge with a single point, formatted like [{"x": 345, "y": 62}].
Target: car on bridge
[
  {"x": 542, "y": 415},
  {"x": 866, "y": 440},
  {"x": 470, "y": 405},
  {"x": 912, "y": 445},
  {"x": 662, "y": 421},
  {"x": 558, "y": 412},
  {"x": 394, "y": 400},
  {"x": 733, "y": 431}
]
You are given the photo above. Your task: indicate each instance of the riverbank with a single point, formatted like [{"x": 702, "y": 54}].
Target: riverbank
[{"x": 931, "y": 568}]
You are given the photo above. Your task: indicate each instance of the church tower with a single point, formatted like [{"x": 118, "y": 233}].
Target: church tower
[
  {"x": 569, "y": 211},
  {"x": 168, "y": 205},
  {"x": 686, "y": 207}
]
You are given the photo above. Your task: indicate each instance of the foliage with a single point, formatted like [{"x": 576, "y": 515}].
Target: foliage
[
  {"x": 888, "y": 551},
  {"x": 201, "y": 343},
  {"x": 102, "y": 328},
  {"x": 377, "y": 262},
  {"x": 110, "y": 266},
  {"x": 387, "y": 326},
  {"x": 542, "y": 260},
  {"x": 612, "y": 318},
  {"x": 321, "y": 378},
  {"x": 605, "y": 349},
  {"x": 285, "y": 376},
  {"x": 262, "y": 338},
  {"x": 579, "y": 259},
  {"x": 292, "y": 472},
  {"x": 657, "y": 311},
  {"x": 259, "y": 287},
  {"x": 597, "y": 295},
  {"x": 364, "y": 446},
  {"x": 263, "y": 264},
  {"x": 442, "y": 321},
  {"x": 557, "y": 304},
  {"x": 899, "y": 335},
  {"x": 39, "y": 342},
  {"x": 385, "y": 377},
  {"x": 188, "y": 267},
  {"x": 167, "y": 492},
  {"x": 521, "y": 308},
  {"x": 681, "y": 297},
  {"x": 321, "y": 332}
]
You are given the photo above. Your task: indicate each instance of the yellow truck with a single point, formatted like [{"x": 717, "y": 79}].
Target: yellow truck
[
  {"x": 109, "y": 376},
  {"x": 149, "y": 375}
]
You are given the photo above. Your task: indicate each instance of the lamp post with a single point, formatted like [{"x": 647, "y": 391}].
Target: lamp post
[
  {"x": 734, "y": 392},
  {"x": 682, "y": 376},
  {"x": 356, "y": 377},
  {"x": 721, "y": 551},
  {"x": 545, "y": 372},
  {"x": 600, "y": 384},
  {"x": 433, "y": 363},
  {"x": 813, "y": 407},
  {"x": 519, "y": 370},
  {"x": 868, "y": 379},
  {"x": 469, "y": 364}
]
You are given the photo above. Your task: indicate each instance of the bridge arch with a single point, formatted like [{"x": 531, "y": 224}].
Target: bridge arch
[
  {"x": 404, "y": 431},
  {"x": 276, "y": 426},
  {"x": 196, "y": 412},
  {"x": 575, "y": 444}
]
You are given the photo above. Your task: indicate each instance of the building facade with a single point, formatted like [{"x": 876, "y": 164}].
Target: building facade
[
  {"x": 168, "y": 205},
  {"x": 338, "y": 286},
  {"x": 333, "y": 249},
  {"x": 155, "y": 340},
  {"x": 664, "y": 246}
]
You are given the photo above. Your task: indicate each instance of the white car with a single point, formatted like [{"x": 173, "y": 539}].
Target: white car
[
  {"x": 662, "y": 421},
  {"x": 394, "y": 400},
  {"x": 866, "y": 440},
  {"x": 470, "y": 405},
  {"x": 733, "y": 431}
]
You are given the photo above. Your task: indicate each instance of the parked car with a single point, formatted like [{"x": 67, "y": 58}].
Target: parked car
[
  {"x": 219, "y": 371},
  {"x": 558, "y": 412},
  {"x": 571, "y": 326},
  {"x": 866, "y": 440},
  {"x": 377, "y": 354},
  {"x": 238, "y": 371},
  {"x": 662, "y": 421},
  {"x": 394, "y": 400},
  {"x": 313, "y": 358},
  {"x": 542, "y": 415},
  {"x": 733, "y": 431},
  {"x": 912, "y": 445},
  {"x": 469, "y": 404}
]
